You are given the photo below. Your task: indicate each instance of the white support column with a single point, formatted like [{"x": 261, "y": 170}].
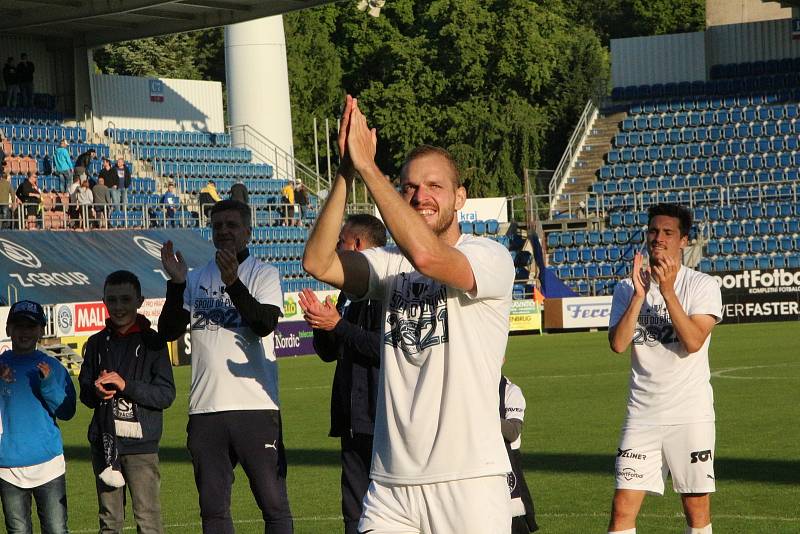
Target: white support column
[{"x": 258, "y": 79}]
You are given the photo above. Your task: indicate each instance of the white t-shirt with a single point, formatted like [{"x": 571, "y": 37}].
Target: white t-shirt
[
  {"x": 515, "y": 408},
  {"x": 668, "y": 385},
  {"x": 33, "y": 476},
  {"x": 436, "y": 418},
  {"x": 232, "y": 367}
]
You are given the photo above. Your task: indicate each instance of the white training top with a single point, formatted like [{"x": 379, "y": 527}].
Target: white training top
[
  {"x": 668, "y": 385},
  {"x": 232, "y": 367},
  {"x": 515, "y": 408},
  {"x": 438, "y": 397}
]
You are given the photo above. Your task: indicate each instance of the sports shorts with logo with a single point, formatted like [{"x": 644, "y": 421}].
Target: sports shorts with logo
[
  {"x": 471, "y": 506},
  {"x": 646, "y": 454}
]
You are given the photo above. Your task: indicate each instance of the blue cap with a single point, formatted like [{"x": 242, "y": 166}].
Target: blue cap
[{"x": 27, "y": 310}]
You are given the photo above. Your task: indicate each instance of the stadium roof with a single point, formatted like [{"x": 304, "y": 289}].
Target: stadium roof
[{"x": 96, "y": 22}]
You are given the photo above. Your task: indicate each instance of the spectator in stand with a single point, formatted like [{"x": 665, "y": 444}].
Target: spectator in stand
[
  {"x": 287, "y": 199},
  {"x": 74, "y": 205},
  {"x": 101, "y": 199},
  {"x": 37, "y": 391},
  {"x": 239, "y": 192},
  {"x": 2, "y": 151},
  {"x": 30, "y": 196},
  {"x": 25, "y": 70},
  {"x": 111, "y": 179},
  {"x": 123, "y": 179},
  {"x": 7, "y": 201},
  {"x": 580, "y": 213},
  {"x": 85, "y": 201},
  {"x": 208, "y": 197},
  {"x": 301, "y": 198},
  {"x": 62, "y": 165},
  {"x": 83, "y": 161},
  {"x": 171, "y": 201},
  {"x": 10, "y": 79}
]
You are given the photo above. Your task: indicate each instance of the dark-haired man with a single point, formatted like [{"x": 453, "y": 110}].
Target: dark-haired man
[
  {"x": 666, "y": 312},
  {"x": 233, "y": 304},
  {"x": 350, "y": 335},
  {"x": 439, "y": 463},
  {"x": 126, "y": 379}
]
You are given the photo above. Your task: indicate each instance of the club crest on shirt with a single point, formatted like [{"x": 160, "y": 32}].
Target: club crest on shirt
[{"x": 416, "y": 317}]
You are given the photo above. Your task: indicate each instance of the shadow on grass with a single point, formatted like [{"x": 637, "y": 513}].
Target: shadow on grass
[
  {"x": 739, "y": 469},
  {"x": 308, "y": 457}
]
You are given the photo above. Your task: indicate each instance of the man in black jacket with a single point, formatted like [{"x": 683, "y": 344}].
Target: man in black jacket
[
  {"x": 233, "y": 304},
  {"x": 126, "y": 378},
  {"x": 25, "y": 70},
  {"x": 350, "y": 335}
]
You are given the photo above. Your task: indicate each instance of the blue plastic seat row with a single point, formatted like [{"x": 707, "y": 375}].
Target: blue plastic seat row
[
  {"x": 719, "y": 117},
  {"x": 593, "y": 270},
  {"x": 755, "y": 68},
  {"x": 690, "y": 134},
  {"x": 290, "y": 268},
  {"x": 295, "y": 286},
  {"x": 739, "y": 262},
  {"x": 278, "y": 234},
  {"x": 720, "y": 141},
  {"x": 54, "y": 134},
  {"x": 168, "y": 137},
  {"x": 579, "y": 238},
  {"x": 193, "y": 154},
  {"x": 487, "y": 227},
  {"x": 701, "y": 165},
  {"x": 44, "y": 114},
  {"x": 779, "y": 83},
  {"x": 213, "y": 170},
  {"x": 756, "y": 227},
  {"x": 40, "y": 150},
  {"x": 271, "y": 186}
]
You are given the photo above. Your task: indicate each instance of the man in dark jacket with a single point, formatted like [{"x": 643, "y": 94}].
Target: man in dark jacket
[
  {"x": 25, "y": 70},
  {"x": 350, "y": 335},
  {"x": 126, "y": 378},
  {"x": 239, "y": 192},
  {"x": 83, "y": 161},
  {"x": 11, "y": 83}
]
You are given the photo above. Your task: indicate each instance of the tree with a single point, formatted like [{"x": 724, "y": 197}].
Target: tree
[{"x": 169, "y": 56}]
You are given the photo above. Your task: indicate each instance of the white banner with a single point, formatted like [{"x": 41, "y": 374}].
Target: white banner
[
  {"x": 5, "y": 342},
  {"x": 481, "y": 209},
  {"x": 586, "y": 312}
]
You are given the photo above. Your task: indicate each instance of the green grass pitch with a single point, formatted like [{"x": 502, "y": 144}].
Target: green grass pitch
[{"x": 575, "y": 389}]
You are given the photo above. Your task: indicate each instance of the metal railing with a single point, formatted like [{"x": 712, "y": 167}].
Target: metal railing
[
  {"x": 572, "y": 151},
  {"x": 284, "y": 164}
]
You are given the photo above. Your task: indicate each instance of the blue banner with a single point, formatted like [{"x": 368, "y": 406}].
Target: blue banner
[{"x": 56, "y": 267}]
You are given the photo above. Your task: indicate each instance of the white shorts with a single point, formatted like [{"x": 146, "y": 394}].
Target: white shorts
[
  {"x": 472, "y": 506},
  {"x": 647, "y": 453}
]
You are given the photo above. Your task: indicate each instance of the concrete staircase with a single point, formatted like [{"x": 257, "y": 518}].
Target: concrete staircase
[{"x": 592, "y": 156}]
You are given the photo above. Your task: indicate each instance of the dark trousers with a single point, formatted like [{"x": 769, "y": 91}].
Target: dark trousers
[
  {"x": 218, "y": 442},
  {"x": 51, "y": 507},
  {"x": 356, "y": 462}
]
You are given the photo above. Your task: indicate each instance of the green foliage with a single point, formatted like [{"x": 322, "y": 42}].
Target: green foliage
[
  {"x": 482, "y": 78},
  {"x": 173, "y": 56}
]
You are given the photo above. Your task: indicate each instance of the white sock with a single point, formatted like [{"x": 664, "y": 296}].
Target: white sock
[
  {"x": 704, "y": 530},
  {"x": 629, "y": 531}
]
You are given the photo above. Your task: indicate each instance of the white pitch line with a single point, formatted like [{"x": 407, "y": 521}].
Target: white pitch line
[{"x": 723, "y": 373}]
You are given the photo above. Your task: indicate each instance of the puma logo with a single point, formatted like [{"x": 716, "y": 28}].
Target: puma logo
[
  {"x": 271, "y": 445},
  {"x": 709, "y": 476}
]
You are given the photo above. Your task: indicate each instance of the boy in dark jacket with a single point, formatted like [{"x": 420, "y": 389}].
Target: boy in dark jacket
[{"x": 126, "y": 378}]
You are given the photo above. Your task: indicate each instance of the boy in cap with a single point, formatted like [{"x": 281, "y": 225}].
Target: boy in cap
[{"x": 35, "y": 390}]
